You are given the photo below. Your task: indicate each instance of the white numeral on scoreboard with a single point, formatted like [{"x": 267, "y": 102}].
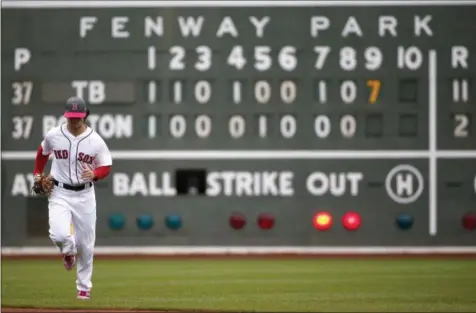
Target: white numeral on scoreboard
[
  {"x": 322, "y": 52},
  {"x": 288, "y": 126},
  {"x": 152, "y": 127},
  {"x": 204, "y": 55},
  {"x": 322, "y": 126},
  {"x": 410, "y": 58},
  {"x": 236, "y": 58},
  {"x": 177, "y": 126},
  {"x": 322, "y": 91},
  {"x": 263, "y": 60},
  {"x": 203, "y": 91},
  {"x": 203, "y": 126},
  {"x": 348, "y": 91},
  {"x": 22, "y": 126},
  {"x": 262, "y": 91},
  {"x": 287, "y": 58},
  {"x": 176, "y": 61},
  {"x": 152, "y": 92},
  {"x": 177, "y": 91},
  {"x": 151, "y": 58},
  {"x": 236, "y": 94},
  {"x": 347, "y": 125},
  {"x": 348, "y": 58},
  {"x": 21, "y": 92},
  {"x": 288, "y": 91},
  {"x": 460, "y": 90},
  {"x": 373, "y": 58},
  {"x": 263, "y": 126},
  {"x": 236, "y": 126},
  {"x": 461, "y": 128},
  {"x": 285, "y": 126}
]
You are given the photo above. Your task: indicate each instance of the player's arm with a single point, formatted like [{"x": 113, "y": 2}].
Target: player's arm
[
  {"x": 104, "y": 162},
  {"x": 42, "y": 156}
]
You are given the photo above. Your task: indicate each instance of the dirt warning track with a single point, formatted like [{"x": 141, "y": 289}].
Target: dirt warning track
[
  {"x": 50, "y": 310},
  {"x": 45, "y": 310}
]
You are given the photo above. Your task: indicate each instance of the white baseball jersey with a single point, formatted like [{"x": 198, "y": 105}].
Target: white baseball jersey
[{"x": 71, "y": 153}]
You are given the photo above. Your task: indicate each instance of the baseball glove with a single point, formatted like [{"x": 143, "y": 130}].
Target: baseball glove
[{"x": 43, "y": 184}]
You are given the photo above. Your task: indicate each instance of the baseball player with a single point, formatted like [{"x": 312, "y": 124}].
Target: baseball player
[{"x": 80, "y": 157}]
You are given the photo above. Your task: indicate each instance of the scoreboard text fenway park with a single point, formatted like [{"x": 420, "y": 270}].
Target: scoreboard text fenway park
[{"x": 252, "y": 123}]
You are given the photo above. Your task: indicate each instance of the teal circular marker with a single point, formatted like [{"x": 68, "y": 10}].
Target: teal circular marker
[
  {"x": 173, "y": 222},
  {"x": 404, "y": 221},
  {"x": 145, "y": 222},
  {"x": 117, "y": 221}
]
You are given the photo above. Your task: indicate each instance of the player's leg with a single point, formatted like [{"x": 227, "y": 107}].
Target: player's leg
[
  {"x": 84, "y": 221},
  {"x": 59, "y": 212}
]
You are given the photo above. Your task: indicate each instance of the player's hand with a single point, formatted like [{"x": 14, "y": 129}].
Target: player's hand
[
  {"x": 87, "y": 173},
  {"x": 37, "y": 178}
]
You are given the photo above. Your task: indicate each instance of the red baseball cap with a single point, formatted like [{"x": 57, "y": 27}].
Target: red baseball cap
[{"x": 75, "y": 108}]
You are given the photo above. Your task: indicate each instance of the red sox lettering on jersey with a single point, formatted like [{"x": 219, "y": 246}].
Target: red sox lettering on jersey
[
  {"x": 86, "y": 158},
  {"x": 82, "y": 157}
]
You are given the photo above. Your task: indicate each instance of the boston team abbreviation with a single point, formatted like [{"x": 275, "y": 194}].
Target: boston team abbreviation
[{"x": 298, "y": 112}]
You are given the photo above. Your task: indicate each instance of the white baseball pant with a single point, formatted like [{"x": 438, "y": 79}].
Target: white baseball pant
[{"x": 76, "y": 208}]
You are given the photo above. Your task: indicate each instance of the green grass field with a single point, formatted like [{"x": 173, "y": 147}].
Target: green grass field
[{"x": 256, "y": 285}]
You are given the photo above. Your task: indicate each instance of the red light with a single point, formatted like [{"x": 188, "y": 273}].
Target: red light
[
  {"x": 265, "y": 221},
  {"x": 469, "y": 221},
  {"x": 322, "y": 221},
  {"x": 351, "y": 221},
  {"x": 237, "y": 221}
]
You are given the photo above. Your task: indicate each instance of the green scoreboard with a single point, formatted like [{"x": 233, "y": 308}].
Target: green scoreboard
[{"x": 280, "y": 123}]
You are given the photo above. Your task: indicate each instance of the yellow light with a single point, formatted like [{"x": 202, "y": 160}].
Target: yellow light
[{"x": 322, "y": 221}]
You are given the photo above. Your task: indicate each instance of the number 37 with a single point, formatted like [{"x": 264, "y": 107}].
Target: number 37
[
  {"x": 21, "y": 92},
  {"x": 22, "y": 126}
]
